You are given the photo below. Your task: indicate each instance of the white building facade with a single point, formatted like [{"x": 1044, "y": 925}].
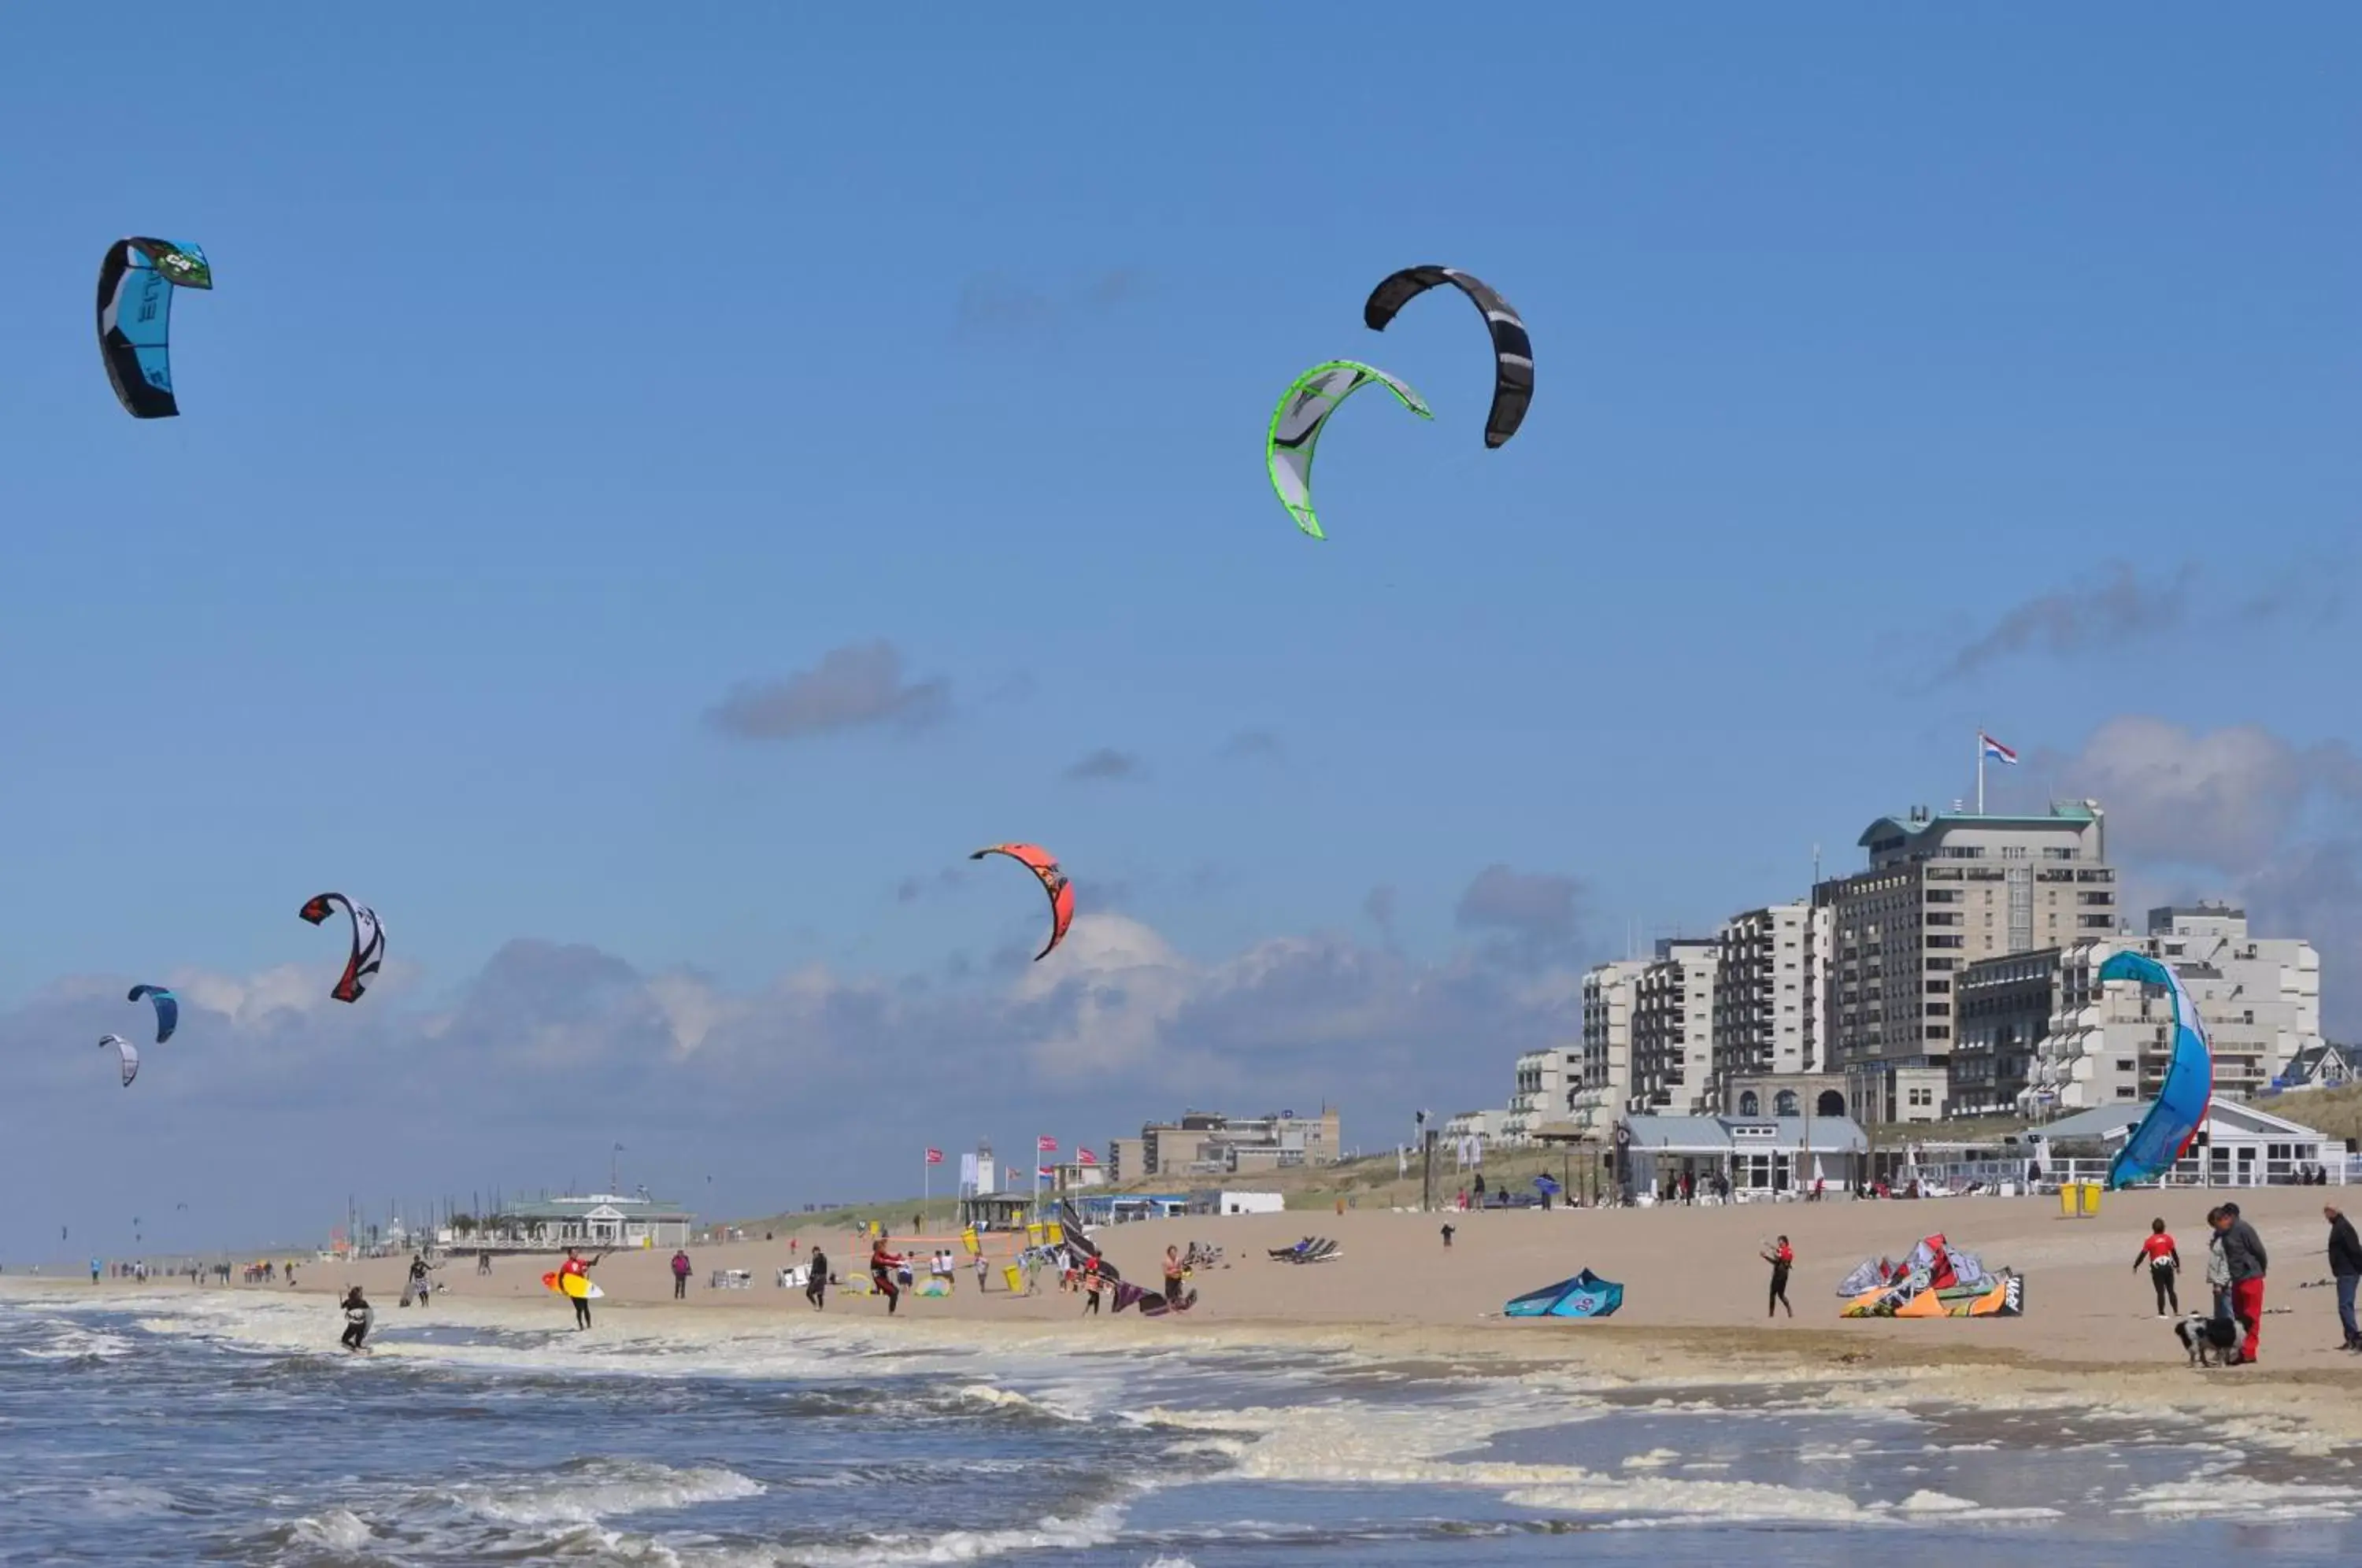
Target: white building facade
[
  {"x": 1771, "y": 971},
  {"x": 1549, "y": 1081},
  {"x": 1673, "y": 1029},
  {"x": 2109, "y": 1045},
  {"x": 1611, "y": 995}
]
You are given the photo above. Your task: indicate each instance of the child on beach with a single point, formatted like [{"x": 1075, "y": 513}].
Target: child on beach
[{"x": 2218, "y": 1267}]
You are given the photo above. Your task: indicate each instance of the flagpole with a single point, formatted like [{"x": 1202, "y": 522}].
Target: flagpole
[
  {"x": 926, "y": 1181},
  {"x": 1981, "y": 772}
]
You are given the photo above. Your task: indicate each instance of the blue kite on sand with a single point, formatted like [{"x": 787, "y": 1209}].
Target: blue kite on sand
[{"x": 1584, "y": 1295}]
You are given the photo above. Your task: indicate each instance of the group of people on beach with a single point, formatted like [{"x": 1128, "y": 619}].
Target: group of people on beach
[{"x": 2236, "y": 1266}]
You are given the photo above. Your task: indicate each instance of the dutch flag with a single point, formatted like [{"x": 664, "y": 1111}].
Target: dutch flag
[{"x": 1995, "y": 750}]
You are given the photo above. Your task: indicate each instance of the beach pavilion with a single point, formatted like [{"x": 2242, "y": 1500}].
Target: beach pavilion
[
  {"x": 2242, "y": 1145},
  {"x": 1762, "y": 1156},
  {"x": 596, "y": 1219}
]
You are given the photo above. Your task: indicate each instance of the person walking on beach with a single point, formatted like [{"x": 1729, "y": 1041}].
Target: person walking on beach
[
  {"x": 417, "y": 1286},
  {"x": 2345, "y": 1268},
  {"x": 1781, "y": 1257},
  {"x": 2218, "y": 1267},
  {"x": 816, "y": 1281},
  {"x": 1447, "y": 1236},
  {"x": 1174, "y": 1272},
  {"x": 2164, "y": 1261},
  {"x": 679, "y": 1274},
  {"x": 483, "y": 1260},
  {"x": 882, "y": 1265},
  {"x": 359, "y": 1316},
  {"x": 2243, "y": 1251},
  {"x": 1091, "y": 1287}
]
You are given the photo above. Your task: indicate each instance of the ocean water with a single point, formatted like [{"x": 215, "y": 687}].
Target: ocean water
[{"x": 226, "y": 1427}]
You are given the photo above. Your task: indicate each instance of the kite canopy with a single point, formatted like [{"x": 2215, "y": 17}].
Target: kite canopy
[
  {"x": 130, "y": 1055},
  {"x": 1584, "y": 1295},
  {"x": 1513, "y": 352},
  {"x": 136, "y": 283},
  {"x": 1936, "y": 1279},
  {"x": 1038, "y": 860},
  {"x": 1303, "y": 413},
  {"x": 168, "y": 1009},
  {"x": 369, "y": 943},
  {"x": 2180, "y": 1106}
]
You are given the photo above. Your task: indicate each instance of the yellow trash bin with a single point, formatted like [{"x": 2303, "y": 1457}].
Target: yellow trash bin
[
  {"x": 1016, "y": 1278},
  {"x": 2070, "y": 1196},
  {"x": 2091, "y": 1191}
]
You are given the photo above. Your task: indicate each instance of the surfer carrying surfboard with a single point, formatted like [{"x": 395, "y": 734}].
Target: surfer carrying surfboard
[{"x": 574, "y": 1279}]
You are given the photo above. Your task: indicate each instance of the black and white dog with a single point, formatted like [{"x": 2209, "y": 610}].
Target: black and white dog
[{"x": 2209, "y": 1341}]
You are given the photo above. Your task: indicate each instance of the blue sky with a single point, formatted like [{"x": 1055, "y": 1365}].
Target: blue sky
[{"x": 1895, "y": 375}]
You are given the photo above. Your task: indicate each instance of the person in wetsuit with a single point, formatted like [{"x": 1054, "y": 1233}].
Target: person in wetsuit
[
  {"x": 2164, "y": 1261},
  {"x": 816, "y": 1282},
  {"x": 359, "y": 1316},
  {"x": 575, "y": 1266},
  {"x": 1781, "y": 1258},
  {"x": 882, "y": 1265}
]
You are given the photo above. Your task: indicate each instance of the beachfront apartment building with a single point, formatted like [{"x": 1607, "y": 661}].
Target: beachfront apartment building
[
  {"x": 1610, "y": 996},
  {"x": 1673, "y": 1028},
  {"x": 1942, "y": 891},
  {"x": 1769, "y": 973},
  {"x": 1549, "y": 1082},
  {"x": 2001, "y": 1009},
  {"x": 2109, "y": 1045}
]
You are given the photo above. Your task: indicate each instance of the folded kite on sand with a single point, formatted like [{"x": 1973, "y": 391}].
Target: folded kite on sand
[{"x": 1584, "y": 1295}]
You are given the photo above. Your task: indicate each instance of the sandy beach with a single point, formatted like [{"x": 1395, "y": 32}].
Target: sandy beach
[{"x": 1694, "y": 1284}]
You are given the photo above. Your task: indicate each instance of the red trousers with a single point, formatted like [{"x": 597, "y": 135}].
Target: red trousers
[{"x": 2248, "y": 1305}]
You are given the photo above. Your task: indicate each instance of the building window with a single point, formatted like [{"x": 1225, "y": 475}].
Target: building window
[{"x": 1749, "y": 1105}]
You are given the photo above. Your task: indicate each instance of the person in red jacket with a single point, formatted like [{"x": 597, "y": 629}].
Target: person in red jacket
[{"x": 2164, "y": 1261}]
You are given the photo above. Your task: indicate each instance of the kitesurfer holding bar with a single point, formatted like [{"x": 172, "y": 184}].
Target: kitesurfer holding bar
[
  {"x": 882, "y": 1265},
  {"x": 1781, "y": 1258}
]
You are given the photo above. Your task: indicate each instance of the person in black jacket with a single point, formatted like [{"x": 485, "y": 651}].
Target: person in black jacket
[{"x": 2346, "y": 1267}]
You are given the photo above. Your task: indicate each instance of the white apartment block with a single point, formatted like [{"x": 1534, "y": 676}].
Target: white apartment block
[
  {"x": 2261, "y": 998},
  {"x": 1673, "y": 1029},
  {"x": 1548, "y": 1083},
  {"x": 1610, "y": 996},
  {"x": 1944, "y": 890},
  {"x": 1771, "y": 972}
]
